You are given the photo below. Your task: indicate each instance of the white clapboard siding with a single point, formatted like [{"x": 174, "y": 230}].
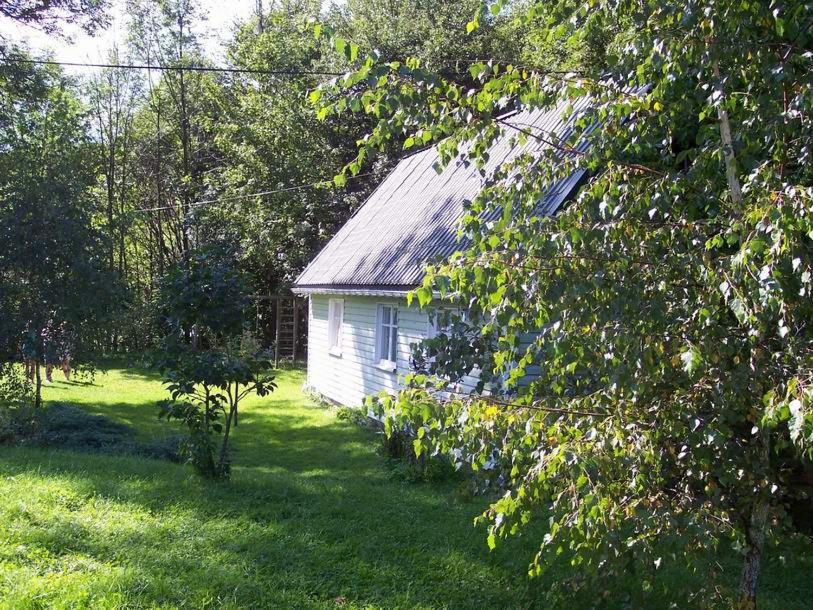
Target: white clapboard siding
[{"x": 350, "y": 377}]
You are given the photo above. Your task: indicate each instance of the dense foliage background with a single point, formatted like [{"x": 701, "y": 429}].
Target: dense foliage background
[{"x": 176, "y": 158}]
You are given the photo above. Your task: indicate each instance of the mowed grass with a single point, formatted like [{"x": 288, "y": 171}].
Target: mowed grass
[{"x": 312, "y": 518}]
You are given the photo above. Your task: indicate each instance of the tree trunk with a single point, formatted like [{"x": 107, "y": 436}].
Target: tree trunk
[
  {"x": 159, "y": 237},
  {"x": 236, "y": 402},
  {"x": 221, "y": 461},
  {"x": 725, "y": 136},
  {"x": 260, "y": 18},
  {"x": 755, "y": 534},
  {"x": 206, "y": 410},
  {"x": 111, "y": 196},
  {"x": 232, "y": 415},
  {"x": 185, "y": 144},
  {"x": 753, "y": 558},
  {"x": 38, "y": 387}
]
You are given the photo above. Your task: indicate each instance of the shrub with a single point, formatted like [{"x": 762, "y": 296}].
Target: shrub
[
  {"x": 64, "y": 425},
  {"x": 398, "y": 447},
  {"x": 167, "y": 448},
  {"x": 354, "y": 416},
  {"x": 15, "y": 389},
  {"x": 208, "y": 358}
]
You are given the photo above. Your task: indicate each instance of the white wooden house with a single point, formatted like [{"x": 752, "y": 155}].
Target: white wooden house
[{"x": 360, "y": 328}]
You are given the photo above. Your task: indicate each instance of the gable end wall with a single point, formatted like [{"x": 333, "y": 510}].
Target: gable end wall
[{"x": 349, "y": 378}]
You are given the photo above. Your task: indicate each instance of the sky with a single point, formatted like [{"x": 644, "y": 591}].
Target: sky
[{"x": 79, "y": 47}]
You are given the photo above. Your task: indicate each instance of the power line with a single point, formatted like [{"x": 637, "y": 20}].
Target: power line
[
  {"x": 274, "y": 191},
  {"x": 246, "y": 196},
  {"x": 48, "y": 62},
  {"x": 449, "y": 63}
]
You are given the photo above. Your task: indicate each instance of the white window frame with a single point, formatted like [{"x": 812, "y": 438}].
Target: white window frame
[
  {"x": 386, "y": 361},
  {"x": 335, "y": 326},
  {"x": 432, "y": 329},
  {"x": 433, "y": 320}
]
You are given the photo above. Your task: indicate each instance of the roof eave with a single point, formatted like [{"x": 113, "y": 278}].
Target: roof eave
[{"x": 358, "y": 290}]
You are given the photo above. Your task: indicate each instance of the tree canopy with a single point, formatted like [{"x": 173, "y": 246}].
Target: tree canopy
[
  {"x": 50, "y": 15},
  {"x": 52, "y": 269}
]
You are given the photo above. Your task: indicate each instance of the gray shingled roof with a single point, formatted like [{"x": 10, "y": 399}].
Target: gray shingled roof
[{"x": 412, "y": 217}]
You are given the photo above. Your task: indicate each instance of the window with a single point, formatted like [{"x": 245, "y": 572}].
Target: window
[
  {"x": 442, "y": 320},
  {"x": 387, "y": 336},
  {"x": 438, "y": 322},
  {"x": 335, "y": 317}
]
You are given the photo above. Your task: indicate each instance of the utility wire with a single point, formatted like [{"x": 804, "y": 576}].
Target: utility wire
[
  {"x": 274, "y": 191},
  {"x": 279, "y": 190},
  {"x": 450, "y": 63},
  {"x": 48, "y": 62},
  {"x": 246, "y": 196}
]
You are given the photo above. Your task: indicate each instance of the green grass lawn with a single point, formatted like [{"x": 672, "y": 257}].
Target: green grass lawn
[{"x": 312, "y": 518}]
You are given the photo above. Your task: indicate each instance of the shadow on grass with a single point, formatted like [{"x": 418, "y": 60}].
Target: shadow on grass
[
  {"x": 311, "y": 515},
  {"x": 322, "y": 522},
  {"x": 144, "y": 374},
  {"x": 142, "y": 417},
  {"x": 62, "y": 386}
]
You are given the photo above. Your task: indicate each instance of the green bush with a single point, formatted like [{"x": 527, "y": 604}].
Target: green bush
[
  {"x": 67, "y": 426},
  {"x": 164, "y": 448},
  {"x": 208, "y": 357},
  {"x": 405, "y": 464},
  {"x": 355, "y": 416},
  {"x": 15, "y": 389}
]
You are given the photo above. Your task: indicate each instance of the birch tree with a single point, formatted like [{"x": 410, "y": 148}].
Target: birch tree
[{"x": 670, "y": 301}]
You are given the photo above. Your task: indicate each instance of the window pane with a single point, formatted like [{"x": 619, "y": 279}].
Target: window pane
[
  {"x": 331, "y": 327},
  {"x": 385, "y": 315},
  {"x": 334, "y": 322},
  {"x": 393, "y": 343},
  {"x": 385, "y": 344},
  {"x": 394, "y": 315}
]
